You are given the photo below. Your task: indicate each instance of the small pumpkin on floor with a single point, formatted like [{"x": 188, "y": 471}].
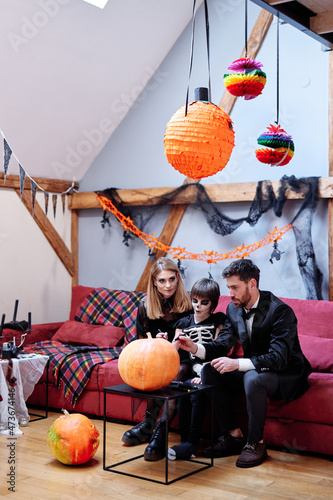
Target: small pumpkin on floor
[
  {"x": 148, "y": 364},
  {"x": 73, "y": 439}
]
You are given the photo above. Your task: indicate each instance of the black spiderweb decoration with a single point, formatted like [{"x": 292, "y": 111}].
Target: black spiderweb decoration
[{"x": 264, "y": 200}]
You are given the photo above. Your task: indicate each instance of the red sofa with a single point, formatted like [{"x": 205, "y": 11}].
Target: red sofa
[{"x": 305, "y": 424}]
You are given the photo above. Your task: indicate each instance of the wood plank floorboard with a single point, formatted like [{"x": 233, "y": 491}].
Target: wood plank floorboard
[{"x": 284, "y": 476}]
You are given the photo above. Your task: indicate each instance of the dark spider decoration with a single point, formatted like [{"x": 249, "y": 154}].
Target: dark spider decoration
[
  {"x": 276, "y": 254},
  {"x": 151, "y": 254},
  {"x": 181, "y": 269},
  {"x": 106, "y": 219}
]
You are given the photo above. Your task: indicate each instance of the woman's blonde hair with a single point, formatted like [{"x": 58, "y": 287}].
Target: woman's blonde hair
[{"x": 181, "y": 299}]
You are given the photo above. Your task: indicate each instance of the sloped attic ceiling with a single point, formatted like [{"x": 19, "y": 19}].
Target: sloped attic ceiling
[{"x": 70, "y": 71}]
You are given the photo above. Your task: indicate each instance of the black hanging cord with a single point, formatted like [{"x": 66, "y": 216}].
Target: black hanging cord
[
  {"x": 191, "y": 55},
  {"x": 208, "y": 52},
  {"x": 245, "y": 28},
  {"x": 278, "y": 70}
]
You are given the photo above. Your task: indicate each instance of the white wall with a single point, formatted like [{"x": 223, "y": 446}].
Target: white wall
[
  {"x": 30, "y": 271},
  {"x": 134, "y": 156}
]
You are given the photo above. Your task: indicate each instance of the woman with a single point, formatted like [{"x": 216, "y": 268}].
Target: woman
[{"x": 167, "y": 301}]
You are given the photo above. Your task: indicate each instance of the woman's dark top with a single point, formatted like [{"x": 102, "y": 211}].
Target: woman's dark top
[{"x": 154, "y": 326}]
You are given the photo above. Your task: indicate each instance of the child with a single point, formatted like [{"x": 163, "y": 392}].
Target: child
[{"x": 201, "y": 326}]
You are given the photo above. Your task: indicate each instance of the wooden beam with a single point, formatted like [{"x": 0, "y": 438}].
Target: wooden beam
[
  {"x": 255, "y": 41},
  {"x": 52, "y": 186},
  {"x": 330, "y": 112},
  {"x": 330, "y": 160},
  {"x": 49, "y": 232},
  {"x": 276, "y": 2},
  {"x": 310, "y": 4},
  {"x": 322, "y": 23},
  {"x": 75, "y": 246},
  {"x": 314, "y": 5},
  {"x": 218, "y": 193},
  {"x": 166, "y": 238},
  {"x": 55, "y": 186}
]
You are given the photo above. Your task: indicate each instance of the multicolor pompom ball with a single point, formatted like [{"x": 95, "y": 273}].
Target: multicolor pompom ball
[
  {"x": 247, "y": 79},
  {"x": 280, "y": 148}
]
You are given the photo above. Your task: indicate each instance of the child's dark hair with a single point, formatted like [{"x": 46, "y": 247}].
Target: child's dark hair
[{"x": 206, "y": 288}]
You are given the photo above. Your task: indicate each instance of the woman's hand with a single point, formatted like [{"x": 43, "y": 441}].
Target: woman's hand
[
  {"x": 162, "y": 335},
  {"x": 196, "y": 380}
]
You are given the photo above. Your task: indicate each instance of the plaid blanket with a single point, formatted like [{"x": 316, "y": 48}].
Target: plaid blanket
[
  {"x": 71, "y": 366},
  {"x": 115, "y": 307}
]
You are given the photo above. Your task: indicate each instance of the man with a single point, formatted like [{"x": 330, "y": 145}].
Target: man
[{"x": 273, "y": 363}]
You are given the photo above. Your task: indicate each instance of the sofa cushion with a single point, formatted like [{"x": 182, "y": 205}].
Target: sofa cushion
[
  {"x": 74, "y": 332},
  {"x": 314, "y": 406},
  {"x": 224, "y": 301},
  {"x": 111, "y": 307},
  {"x": 108, "y": 374},
  {"x": 313, "y": 316},
  {"x": 79, "y": 293},
  {"x": 318, "y": 351}
]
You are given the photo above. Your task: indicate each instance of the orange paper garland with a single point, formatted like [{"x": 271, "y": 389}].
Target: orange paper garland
[{"x": 181, "y": 253}]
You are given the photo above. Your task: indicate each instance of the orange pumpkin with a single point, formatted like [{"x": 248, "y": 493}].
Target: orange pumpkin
[
  {"x": 148, "y": 364},
  {"x": 73, "y": 439}
]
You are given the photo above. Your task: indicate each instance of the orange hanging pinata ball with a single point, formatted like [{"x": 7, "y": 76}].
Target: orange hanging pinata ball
[
  {"x": 247, "y": 79},
  {"x": 280, "y": 148},
  {"x": 148, "y": 364},
  {"x": 73, "y": 439},
  {"x": 199, "y": 144}
]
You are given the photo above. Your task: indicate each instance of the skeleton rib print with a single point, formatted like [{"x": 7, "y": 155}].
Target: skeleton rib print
[{"x": 204, "y": 333}]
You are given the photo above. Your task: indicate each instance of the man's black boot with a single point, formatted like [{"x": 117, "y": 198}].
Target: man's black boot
[
  {"x": 141, "y": 433},
  {"x": 156, "y": 447}
]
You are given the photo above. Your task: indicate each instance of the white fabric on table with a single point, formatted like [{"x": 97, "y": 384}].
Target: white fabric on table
[{"x": 27, "y": 372}]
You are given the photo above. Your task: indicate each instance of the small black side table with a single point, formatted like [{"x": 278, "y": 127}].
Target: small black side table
[
  {"x": 46, "y": 407},
  {"x": 165, "y": 395}
]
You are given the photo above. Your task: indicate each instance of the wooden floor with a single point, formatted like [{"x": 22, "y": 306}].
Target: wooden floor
[{"x": 39, "y": 476}]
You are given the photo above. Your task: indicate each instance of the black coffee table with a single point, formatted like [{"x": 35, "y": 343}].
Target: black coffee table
[{"x": 165, "y": 395}]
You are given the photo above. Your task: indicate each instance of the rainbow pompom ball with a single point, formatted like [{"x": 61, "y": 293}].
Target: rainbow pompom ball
[
  {"x": 247, "y": 79},
  {"x": 280, "y": 148}
]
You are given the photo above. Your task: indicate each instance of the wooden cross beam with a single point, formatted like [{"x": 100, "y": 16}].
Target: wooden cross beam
[
  {"x": 330, "y": 160},
  {"x": 254, "y": 44},
  {"x": 218, "y": 193},
  {"x": 166, "y": 237},
  {"x": 49, "y": 185},
  {"x": 49, "y": 232},
  {"x": 69, "y": 258}
]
